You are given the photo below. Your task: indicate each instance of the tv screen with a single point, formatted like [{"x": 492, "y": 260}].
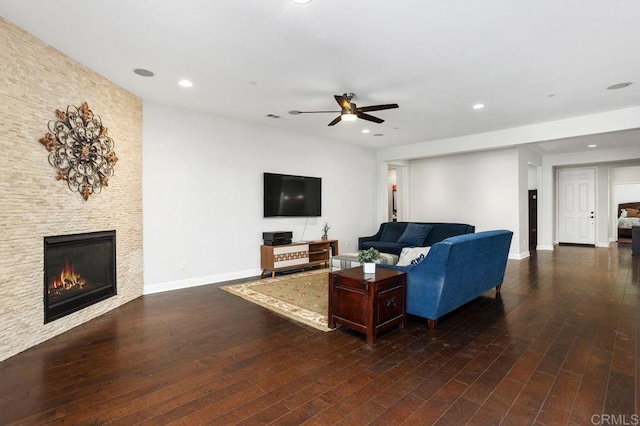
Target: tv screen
[{"x": 294, "y": 196}]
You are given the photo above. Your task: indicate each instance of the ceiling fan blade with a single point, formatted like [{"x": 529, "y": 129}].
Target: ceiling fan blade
[
  {"x": 378, "y": 107},
  {"x": 369, "y": 117},
  {"x": 342, "y": 101},
  {"x": 335, "y": 121}
]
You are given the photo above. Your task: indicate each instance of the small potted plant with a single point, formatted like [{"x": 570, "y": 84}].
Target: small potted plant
[
  {"x": 368, "y": 258},
  {"x": 325, "y": 231}
]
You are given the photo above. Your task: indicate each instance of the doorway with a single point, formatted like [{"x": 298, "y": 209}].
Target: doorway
[
  {"x": 576, "y": 206},
  {"x": 397, "y": 179},
  {"x": 533, "y": 219}
]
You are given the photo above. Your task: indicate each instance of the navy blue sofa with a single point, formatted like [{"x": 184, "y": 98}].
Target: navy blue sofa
[
  {"x": 387, "y": 237},
  {"x": 454, "y": 272}
]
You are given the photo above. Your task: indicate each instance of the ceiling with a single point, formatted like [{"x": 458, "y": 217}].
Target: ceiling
[{"x": 527, "y": 61}]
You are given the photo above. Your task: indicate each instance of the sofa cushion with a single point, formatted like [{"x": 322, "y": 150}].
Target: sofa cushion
[
  {"x": 414, "y": 234},
  {"x": 392, "y": 232},
  {"x": 443, "y": 231},
  {"x": 412, "y": 255}
]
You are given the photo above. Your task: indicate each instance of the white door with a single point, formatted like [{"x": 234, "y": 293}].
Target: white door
[{"x": 576, "y": 206}]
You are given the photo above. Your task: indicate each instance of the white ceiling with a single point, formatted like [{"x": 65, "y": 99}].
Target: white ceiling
[{"x": 527, "y": 61}]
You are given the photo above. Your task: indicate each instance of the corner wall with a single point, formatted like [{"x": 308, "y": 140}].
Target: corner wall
[
  {"x": 37, "y": 80},
  {"x": 479, "y": 188},
  {"x": 203, "y": 187}
]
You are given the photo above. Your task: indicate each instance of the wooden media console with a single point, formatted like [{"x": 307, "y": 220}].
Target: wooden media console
[{"x": 296, "y": 255}]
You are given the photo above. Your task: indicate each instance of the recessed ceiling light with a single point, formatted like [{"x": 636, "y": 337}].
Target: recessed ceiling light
[
  {"x": 620, "y": 85},
  {"x": 478, "y": 106},
  {"x": 301, "y": 1},
  {"x": 365, "y": 130},
  {"x": 185, "y": 83},
  {"x": 143, "y": 73},
  {"x": 592, "y": 145}
]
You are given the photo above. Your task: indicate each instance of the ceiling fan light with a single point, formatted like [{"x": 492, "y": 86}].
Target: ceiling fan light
[{"x": 349, "y": 117}]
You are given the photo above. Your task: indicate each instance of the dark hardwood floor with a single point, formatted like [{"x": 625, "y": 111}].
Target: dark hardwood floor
[{"x": 560, "y": 346}]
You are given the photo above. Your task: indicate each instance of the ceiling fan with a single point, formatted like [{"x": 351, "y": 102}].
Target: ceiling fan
[{"x": 350, "y": 111}]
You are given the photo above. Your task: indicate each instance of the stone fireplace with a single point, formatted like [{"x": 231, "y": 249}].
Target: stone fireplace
[
  {"x": 35, "y": 205},
  {"x": 79, "y": 271}
]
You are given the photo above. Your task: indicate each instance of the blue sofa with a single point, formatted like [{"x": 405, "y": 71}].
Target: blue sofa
[
  {"x": 388, "y": 237},
  {"x": 454, "y": 272}
]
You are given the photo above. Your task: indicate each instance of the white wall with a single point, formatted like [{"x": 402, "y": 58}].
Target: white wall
[
  {"x": 603, "y": 217},
  {"x": 532, "y": 178},
  {"x": 476, "y": 188},
  {"x": 202, "y": 186},
  {"x": 628, "y": 174}
]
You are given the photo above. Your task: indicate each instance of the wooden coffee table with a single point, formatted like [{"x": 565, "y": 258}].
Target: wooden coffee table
[{"x": 369, "y": 303}]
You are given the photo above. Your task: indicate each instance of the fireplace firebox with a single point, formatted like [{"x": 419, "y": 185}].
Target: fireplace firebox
[{"x": 79, "y": 270}]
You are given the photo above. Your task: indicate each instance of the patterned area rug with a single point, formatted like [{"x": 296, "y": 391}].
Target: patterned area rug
[{"x": 302, "y": 297}]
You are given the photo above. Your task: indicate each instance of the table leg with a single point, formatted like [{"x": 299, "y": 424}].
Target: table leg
[{"x": 371, "y": 336}]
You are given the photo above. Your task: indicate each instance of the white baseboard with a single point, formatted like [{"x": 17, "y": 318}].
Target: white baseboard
[
  {"x": 519, "y": 256},
  {"x": 198, "y": 281},
  {"x": 605, "y": 245}
]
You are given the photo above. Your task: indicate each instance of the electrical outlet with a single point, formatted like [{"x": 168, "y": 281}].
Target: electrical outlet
[
  {"x": 183, "y": 264},
  {"x": 346, "y": 244}
]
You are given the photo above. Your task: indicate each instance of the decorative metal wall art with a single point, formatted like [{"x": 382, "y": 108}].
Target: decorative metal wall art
[{"x": 81, "y": 150}]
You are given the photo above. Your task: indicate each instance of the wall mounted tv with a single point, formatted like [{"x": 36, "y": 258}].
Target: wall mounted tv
[{"x": 292, "y": 196}]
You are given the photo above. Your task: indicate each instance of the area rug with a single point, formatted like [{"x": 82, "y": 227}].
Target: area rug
[{"x": 302, "y": 296}]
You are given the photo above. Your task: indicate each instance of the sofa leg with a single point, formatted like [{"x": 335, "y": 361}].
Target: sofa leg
[
  {"x": 432, "y": 323},
  {"x": 498, "y": 288}
]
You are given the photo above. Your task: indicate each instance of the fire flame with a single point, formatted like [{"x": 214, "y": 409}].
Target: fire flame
[{"x": 68, "y": 278}]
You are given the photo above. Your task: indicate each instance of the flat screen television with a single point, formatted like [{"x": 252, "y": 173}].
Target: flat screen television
[{"x": 292, "y": 196}]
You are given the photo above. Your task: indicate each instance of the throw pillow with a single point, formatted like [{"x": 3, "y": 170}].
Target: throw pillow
[
  {"x": 414, "y": 234},
  {"x": 632, "y": 212},
  {"x": 412, "y": 255}
]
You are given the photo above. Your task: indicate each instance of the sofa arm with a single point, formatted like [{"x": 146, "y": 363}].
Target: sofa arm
[
  {"x": 372, "y": 238},
  {"x": 425, "y": 282},
  {"x": 375, "y": 237}
]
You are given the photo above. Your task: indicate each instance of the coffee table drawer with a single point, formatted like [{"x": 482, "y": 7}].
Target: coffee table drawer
[{"x": 390, "y": 305}]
